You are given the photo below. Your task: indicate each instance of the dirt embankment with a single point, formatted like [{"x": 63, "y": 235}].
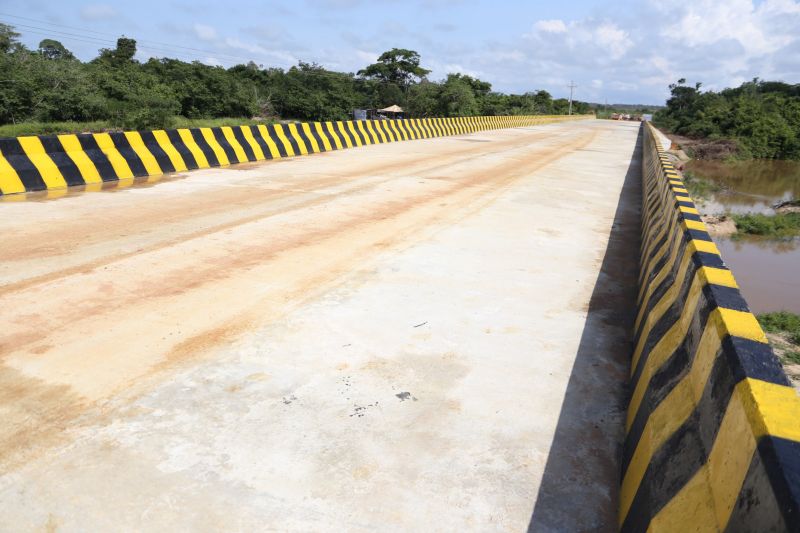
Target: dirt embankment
[{"x": 705, "y": 148}]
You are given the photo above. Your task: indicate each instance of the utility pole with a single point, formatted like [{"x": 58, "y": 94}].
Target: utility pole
[{"x": 571, "y": 88}]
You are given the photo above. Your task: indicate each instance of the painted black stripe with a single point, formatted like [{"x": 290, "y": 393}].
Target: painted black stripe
[
  {"x": 256, "y": 132},
  {"x": 752, "y": 359},
  {"x": 183, "y": 150},
  {"x": 358, "y": 132},
  {"x": 367, "y": 132},
  {"x": 330, "y": 131},
  {"x": 766, "y": 501},
  {"x": 248, "y": 150},
  {"x": 304, "y": 138},
  {"x": 373, "y": 132},
  {"x": 161, "y": 156},
  {"x": 273, "y": 134},
  {"x": 54, "y": 148},
  {"x": 398, "y": 123},
  {"x": 22, "y": 165},
  {"x": 314, "y": 133},
  {"x": 665, "y": 378},
  {"x": 123, "y": 146},
  {"x": 414, "y": 126},
  {"x": 100, "y": 160},
  {"x": 683, "y": 453},
  {"x": 670, "y": 316},
  {"x": 219, "y": 136},
  {"x": 211, "y": 157},
  {"x": 440, "y": 126},
  {"x": 341, "y": 127},
  {"x": 384, "y": 129}
]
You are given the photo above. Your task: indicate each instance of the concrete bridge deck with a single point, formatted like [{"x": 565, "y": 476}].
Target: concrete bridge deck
[{"x": 429, "y": 335}]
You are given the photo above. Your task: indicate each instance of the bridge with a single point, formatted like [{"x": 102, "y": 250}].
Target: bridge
[{"x": 490, "y": 326}]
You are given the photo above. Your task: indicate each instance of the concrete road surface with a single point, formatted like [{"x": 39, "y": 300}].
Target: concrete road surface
[{"x": 405, "y": 337}]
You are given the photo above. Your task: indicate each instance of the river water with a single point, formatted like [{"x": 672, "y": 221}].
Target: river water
[{"x": 767, "y": 270}]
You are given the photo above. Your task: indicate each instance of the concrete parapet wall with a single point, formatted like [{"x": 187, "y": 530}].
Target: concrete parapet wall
[
  {"x": 55, "y": 162},
  {"x": 713, "y": 428}
]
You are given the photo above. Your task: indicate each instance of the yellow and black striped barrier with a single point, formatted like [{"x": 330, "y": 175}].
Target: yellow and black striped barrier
[
  {"x": 53, "y": 162},
  {"x": 713, "y": 427}
]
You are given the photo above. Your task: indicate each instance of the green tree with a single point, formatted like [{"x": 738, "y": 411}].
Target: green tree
[
  {"x": 9, "y": 39},
  {"x": 399, "y": 66},
  {"x": 52, "y": 49}
]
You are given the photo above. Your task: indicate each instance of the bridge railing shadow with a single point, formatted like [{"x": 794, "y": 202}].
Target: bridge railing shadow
[{"x": 580, "y": 484}]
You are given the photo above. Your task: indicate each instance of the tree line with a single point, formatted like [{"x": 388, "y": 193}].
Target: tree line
[
  {"x": 49, "y": 84},
  {"x": 762, "y": 117}
]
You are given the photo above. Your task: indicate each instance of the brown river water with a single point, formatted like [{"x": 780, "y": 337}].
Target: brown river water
[{"x": 767, "y": 270}]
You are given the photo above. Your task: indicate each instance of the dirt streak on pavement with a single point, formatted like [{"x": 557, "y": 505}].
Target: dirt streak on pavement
[{"x": 126, "y": 285}]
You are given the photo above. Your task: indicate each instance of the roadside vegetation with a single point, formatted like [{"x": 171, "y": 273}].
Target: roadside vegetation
[
  {"x": 779, "y": 225},
  {"x": 49, "y": 90},
  {"x": 759, "y": 119},
  {"x": 783, "y": 328}
]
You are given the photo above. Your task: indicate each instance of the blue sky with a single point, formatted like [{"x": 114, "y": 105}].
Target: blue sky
[{"x": 625, "y": 51}]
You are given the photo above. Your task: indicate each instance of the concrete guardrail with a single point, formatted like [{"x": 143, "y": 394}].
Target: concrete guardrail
[
  {"x": 713, "y": 427},
  {"x": 52, "y": 162}
]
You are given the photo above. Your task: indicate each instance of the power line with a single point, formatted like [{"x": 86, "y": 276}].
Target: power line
[{"x": 148, "y": 43}]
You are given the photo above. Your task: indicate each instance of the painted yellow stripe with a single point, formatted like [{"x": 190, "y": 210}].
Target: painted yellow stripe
[
  {"x": 285, "y": 140},
  {"x": 387, "y": 131},
  {"x": 665, "y": 346},
  {"x": 72, "y": 147},
  {"x": 352, "y": 130},
  {"x": 36, "y": 153},
  {"x": 360, "y": 126},
  {"x": 295, "y": 134},
  {"x": 704, "y": 275},
  {"x": 247, "y": 133},
  {"x": 408, "y": 135},
  {"x": 742, "y": 324},
  {"x": 147, "y": 158},
  {"x": 334, "y": 135},
  {"x": 191, "y": 144},
  {"x": 376, "y": 131},
  {"x": 673, "y": 411},
  {"x": 273, "y": 148},
  {"x": 342, "y": 129},
  {"x": 310, "y": 136},
  {"x": 771, "y": 409},
  {"x": 118, "y": 163},
  {"x": 692, "y": 247},
  {"x": 208, "y": 135},
  {"x": 395, "y": 130},
  {"x": 325, "y": 142},
  {"x": 9, "y": 179},
  {"x": 227, "y": 132},
  {"x": 174, "y": 157},
  {"x": 692, "y": 509},
  {"x": 720, "y": 479}
]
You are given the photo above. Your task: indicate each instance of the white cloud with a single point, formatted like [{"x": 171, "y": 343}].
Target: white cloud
[
  {"x": 613, "y": 39},
  {"x": 550, "y": 26},
  {"x": 205, "y": 33},
  {"x": 597, "y": 84},
  {"x": 98, "y": 12}
]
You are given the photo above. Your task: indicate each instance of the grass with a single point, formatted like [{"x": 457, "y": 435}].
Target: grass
[
  {"x": 54, "y": 128},
  {"x": 699, "y": 188},
  {"x": 780, "y": 225},
  {"x": 788, "y": 325}
]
